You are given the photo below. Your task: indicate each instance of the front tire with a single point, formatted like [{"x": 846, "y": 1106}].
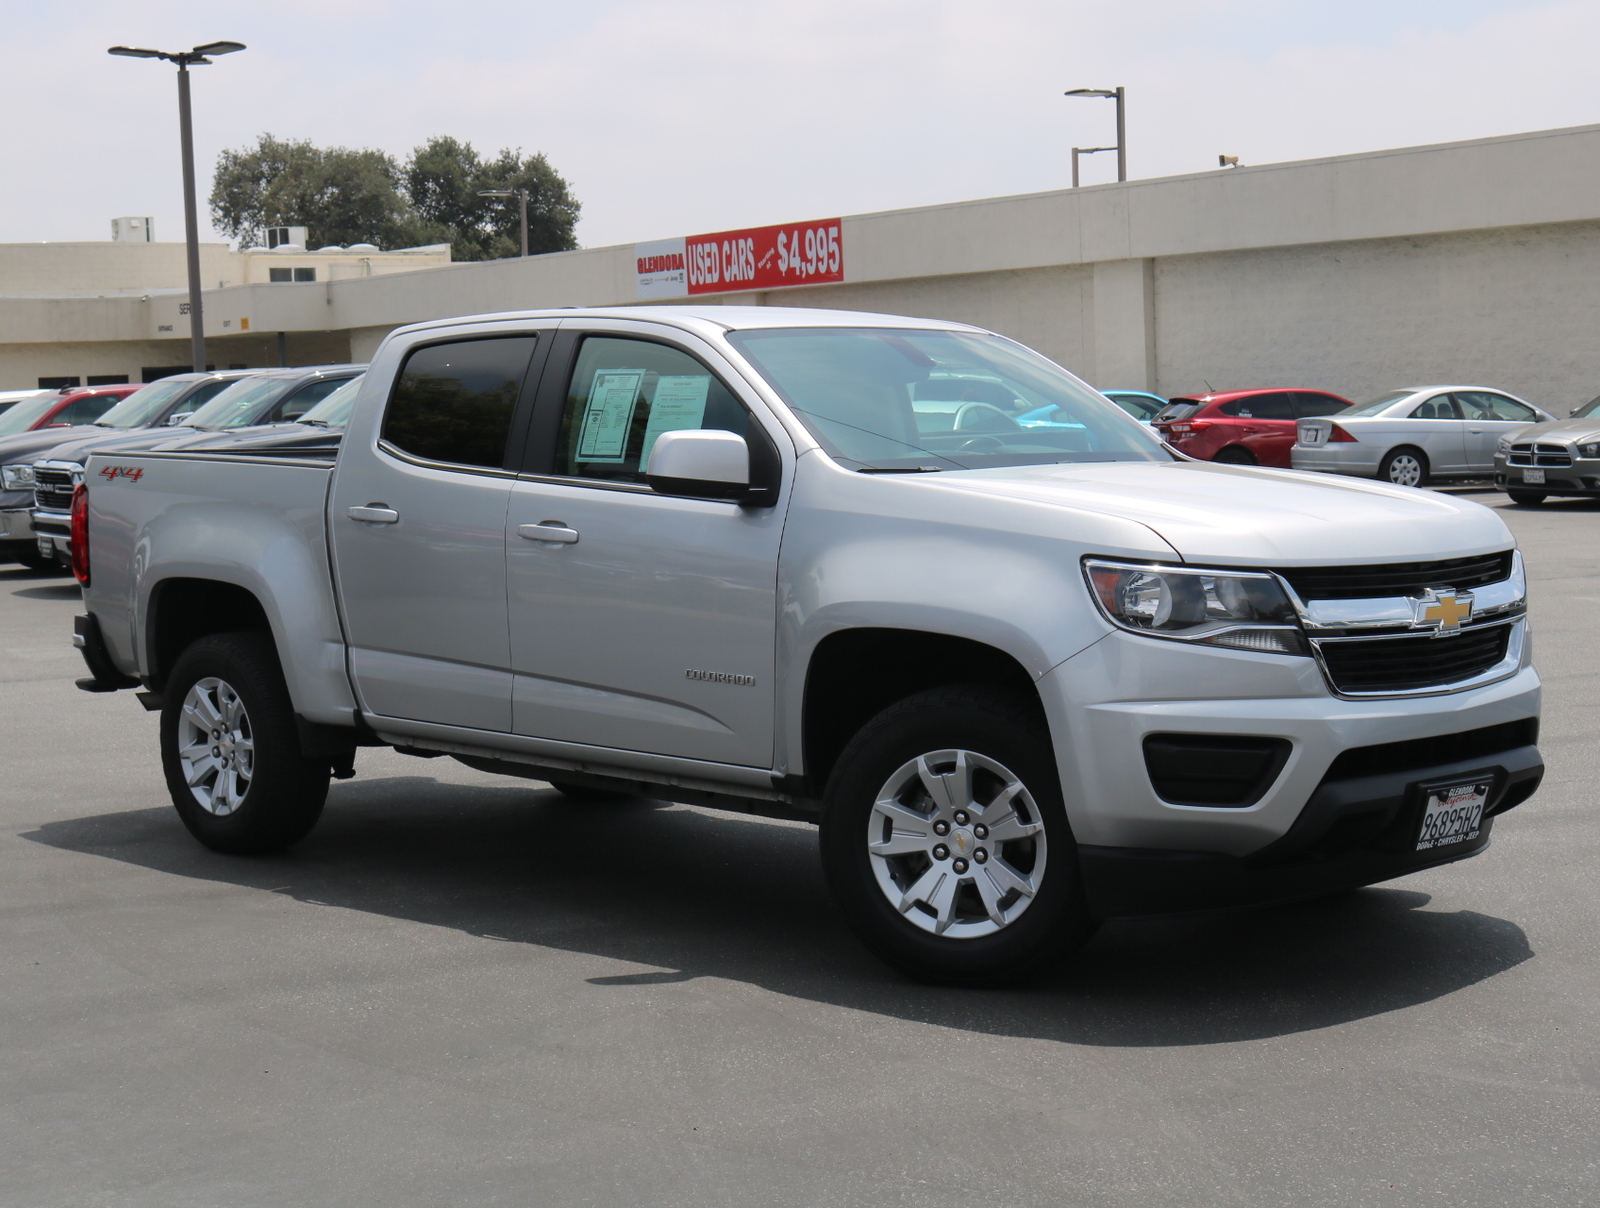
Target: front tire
[
  {"x": 231, "y": 751},
  {"x": 1404, "y": 467},
  {"x": 1528, "y": 498},
  {"x": 945, "y": 842}
]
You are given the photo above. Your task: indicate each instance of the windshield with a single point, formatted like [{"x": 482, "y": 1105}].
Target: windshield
[
  {"x": 27, "y": 413},
  {"x": 1382, "y": 403},
  {"x": 334, "y": 411},
  {"x": 143, "y": 405},
  {"x": 240, "y": 404},
  {"x": 891, "y": 399}
]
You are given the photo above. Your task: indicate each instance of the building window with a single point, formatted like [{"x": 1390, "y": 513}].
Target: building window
[
  {"x": 108, "y": 379},
  {"x": 305, "y": 274},
  {"x": 57, "y": 383},
  {"x": 280, "y": 274}
]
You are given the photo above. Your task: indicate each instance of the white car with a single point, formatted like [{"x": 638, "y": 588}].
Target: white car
[{"x": 1415, "y": 433}]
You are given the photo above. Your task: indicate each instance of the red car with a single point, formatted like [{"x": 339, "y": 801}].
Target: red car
[
  {"x": 1244, "y": 427},
  {"x": 62, "y": 408}
]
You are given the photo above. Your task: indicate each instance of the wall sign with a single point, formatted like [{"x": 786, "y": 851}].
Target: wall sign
[{"x": 775, "y": 257}]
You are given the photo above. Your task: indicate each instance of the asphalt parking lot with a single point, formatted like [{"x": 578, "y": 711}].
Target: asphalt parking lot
[{"x": 464, "y": 989}]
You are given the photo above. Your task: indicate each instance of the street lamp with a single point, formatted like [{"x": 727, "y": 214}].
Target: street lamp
[
  {"x": 519, "y": 193},
  {"x": 1120, "y": 96},
  {"x": 1077, "y": 151},
  {"x": 191, "y": 224}
]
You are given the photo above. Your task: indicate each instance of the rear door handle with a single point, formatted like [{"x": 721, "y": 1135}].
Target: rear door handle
[
  {"x": 548, "y": 530},
  {"x": 375, "y": 515}
]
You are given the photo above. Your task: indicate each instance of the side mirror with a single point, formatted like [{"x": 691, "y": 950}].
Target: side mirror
[
  {"x": 177, "y": 417},
  {"x": 700, "y": 462}
]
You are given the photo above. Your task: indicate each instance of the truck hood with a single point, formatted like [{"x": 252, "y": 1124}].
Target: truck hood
[
  {"x": 25, "y": 446},
  {"x": 110, "y": 440},
  {"x": 1249, "y": 516}
]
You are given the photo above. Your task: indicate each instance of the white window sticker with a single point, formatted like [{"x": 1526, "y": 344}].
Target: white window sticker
[
  {"x": 680, "y": 403},
  {"x": 612, "y": 397}
]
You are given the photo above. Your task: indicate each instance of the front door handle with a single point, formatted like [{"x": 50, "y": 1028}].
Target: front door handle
[
  {"x": 548, "y": 530},
  {"x": 375, "y": 514},
  {"x": 1476, "y": 431}
]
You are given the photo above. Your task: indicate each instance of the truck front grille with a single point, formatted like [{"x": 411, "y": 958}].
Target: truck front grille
[
  {"x": 1397, "y": 578},
  {"x": 52, "y": 489},
  {"x": 1406, "y": 664}
]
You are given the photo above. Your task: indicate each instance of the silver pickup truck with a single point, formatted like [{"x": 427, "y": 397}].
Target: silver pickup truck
[{"x": 1026, "y": 666}]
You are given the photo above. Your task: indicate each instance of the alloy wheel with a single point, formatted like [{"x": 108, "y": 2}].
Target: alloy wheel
[
  {"x": 957, "y": 844},
  {"x": 215, "y": 746}
]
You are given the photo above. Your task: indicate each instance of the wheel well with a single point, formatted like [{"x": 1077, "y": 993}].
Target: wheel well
[
  {"x": 184, "y": 610},
  {"x": 857, "y": 673}
]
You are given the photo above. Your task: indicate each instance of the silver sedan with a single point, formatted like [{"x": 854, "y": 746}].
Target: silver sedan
[{"x": 1412, "y": 434}]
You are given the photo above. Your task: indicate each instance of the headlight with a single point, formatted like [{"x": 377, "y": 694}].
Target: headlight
[
  {"x": 16, "y": 478},
  {"x": 1237, "y": 609},
  {"x": 1592, "y": 450},
  {"x": 1504, "y": 446}
]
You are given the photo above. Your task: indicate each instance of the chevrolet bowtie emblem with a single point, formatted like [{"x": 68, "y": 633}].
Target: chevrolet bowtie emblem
[{"x": 1442, "y": 610}]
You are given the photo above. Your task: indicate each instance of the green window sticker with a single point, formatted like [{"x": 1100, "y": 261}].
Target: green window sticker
[{"x": 679, "y": 404}]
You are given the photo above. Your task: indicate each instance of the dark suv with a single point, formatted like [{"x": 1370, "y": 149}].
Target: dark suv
[{"x": 1245, "y": 427}]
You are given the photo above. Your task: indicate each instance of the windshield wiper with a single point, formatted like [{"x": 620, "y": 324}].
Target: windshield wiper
[
  {"x": 314, "y": 423},
  {"x": 898, "y": 469}
]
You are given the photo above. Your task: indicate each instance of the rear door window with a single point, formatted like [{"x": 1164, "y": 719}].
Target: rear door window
[
  {"x": 1311, "y": 405},
  {"x": 624, "y": 393},
  {"x": 1260, "y": 406},
  {"x": 86, "y": 409},
  {"x": 1440, "y": 406},
  {"x": 455, "y": 402}
]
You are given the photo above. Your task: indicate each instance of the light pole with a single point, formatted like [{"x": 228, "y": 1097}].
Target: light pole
[
  {"x": 191, "y": 223},
  {"x": 518, "y": 193},
  {"x": 1120, "y": 96},
  {"x": 1077, "y": 151}
]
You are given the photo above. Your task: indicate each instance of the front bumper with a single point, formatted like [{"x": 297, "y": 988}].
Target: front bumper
[
  {"x": 1340, "y": 457},
  {"x": 16, "y": 524},
  {"x": 1358, "y": 828},
  {"x": 1582, "y": 477},
  {"x": 1104, "y": 702}
]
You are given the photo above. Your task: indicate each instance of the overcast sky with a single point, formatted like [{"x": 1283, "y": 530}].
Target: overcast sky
[{"x": 673, "y": 117}]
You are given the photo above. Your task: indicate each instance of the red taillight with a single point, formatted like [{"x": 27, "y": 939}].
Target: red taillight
[
  {"x": 80, "y": 533},
  {"x": 1192, "y": 428},
  {"x": 1339, "y": 434}
]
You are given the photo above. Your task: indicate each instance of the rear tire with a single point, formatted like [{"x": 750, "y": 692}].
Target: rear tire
[
  {"x": 1234, "y": 455},
  {"x": 1527, "y": 498},
  {"x": 924, "y": 788},
  {"x": 1404, "y": 467},
  {"x": 34, "y": 560},
  {"x": 231, "y": 751}
]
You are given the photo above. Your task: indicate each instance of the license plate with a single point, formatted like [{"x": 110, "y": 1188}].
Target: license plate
[
  {"x": 47, "y": 548},
  {"x": 1452, "y": 815},
  {"x": 1311, "y": 436},
  {"x": 1534, "y": 476}
]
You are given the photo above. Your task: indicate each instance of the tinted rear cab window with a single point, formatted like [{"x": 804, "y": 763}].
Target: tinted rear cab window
[{"x": 454, "y": 402}]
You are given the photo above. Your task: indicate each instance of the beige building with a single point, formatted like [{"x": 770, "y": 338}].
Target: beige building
[
  {"x": 1472, "y": 261},
  {"x": 85, "y": 311}
]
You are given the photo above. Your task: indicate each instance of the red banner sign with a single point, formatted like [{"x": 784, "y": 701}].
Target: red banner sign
[{"x": 797, "y": 253}]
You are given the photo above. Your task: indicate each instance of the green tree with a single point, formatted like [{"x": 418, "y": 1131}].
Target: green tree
[
  {"x": 443, "y": 178},
  {"x": 342, "y": 195},
  {"x": 349, "y": 196}
]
